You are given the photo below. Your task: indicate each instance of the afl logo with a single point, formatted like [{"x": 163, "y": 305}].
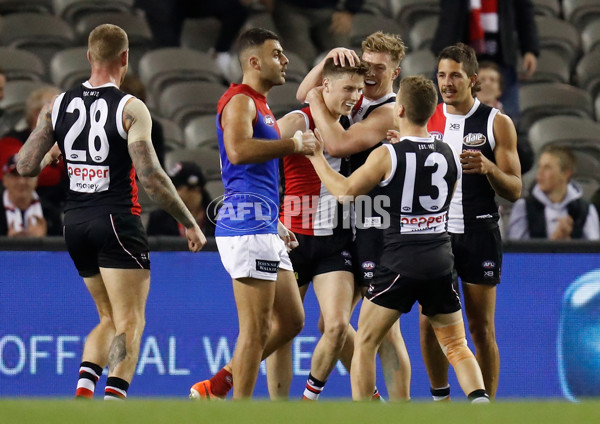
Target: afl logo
[
  {"x": 368, "y": 265},
  {"x": 437, "y": 135},
  {"x": 488, "y": 264},
  {"x": 269, "y": 120},
  {"x": 473, "y": 140}
]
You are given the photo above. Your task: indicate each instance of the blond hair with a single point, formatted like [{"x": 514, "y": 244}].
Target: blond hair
[
  {"x": 386, "y": 43},
  {"x": 107, "y": 42},
  {"x": 419, "y": 97}
]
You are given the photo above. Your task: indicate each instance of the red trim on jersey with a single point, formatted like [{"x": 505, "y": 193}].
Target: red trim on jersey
[
  {"x": 437, "y": 123},
  {"x": 136, "y": 209},
  {"x": 260, "y": 102}
]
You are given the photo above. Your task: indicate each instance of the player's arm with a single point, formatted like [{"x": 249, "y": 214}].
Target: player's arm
[
  {"x": 315, "y": 77},
  {"x": 375, "y": 169},
  {"x": 359, "y": 137},
  {"x": 290, "y": 123},
  {"x": 37, "y": 152},
  {"x": 505, "y": 175},
  {"x": 138, "y": 124},
  {"x": 236, "y": 120}
]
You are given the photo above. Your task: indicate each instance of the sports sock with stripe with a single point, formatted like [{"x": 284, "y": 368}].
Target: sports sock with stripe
[
  {"x": 116, "y": 389},
  {"x": 313, "y": 389},
  {"x": 89, "y": 373}
]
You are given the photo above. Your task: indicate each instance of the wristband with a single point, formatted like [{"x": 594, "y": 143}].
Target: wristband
[{"x": 297, "y": 138}]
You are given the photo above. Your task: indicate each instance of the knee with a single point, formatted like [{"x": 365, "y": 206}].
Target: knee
[
  {"x": 336, "y": 331},
  {"x": 482, "y": 333},
  {"x": 130, "y": 322},
  {"x": 457, "y": 351},
  {"x": 295, "y": 326}
]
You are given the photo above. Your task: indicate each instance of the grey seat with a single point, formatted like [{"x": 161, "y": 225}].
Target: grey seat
[
  {"x": 572, "y": 131},
  {"x": 69, "y": 67},
  {"x": 160, "y": 68},
  {"x": 200, "y": 34},
  {"x": 420, "y": 62},
  {"x": 550, "y": 68},
  {"x": 538, "y": 101},
  {"x": 559, "y": 36},
  {"x": 73, "y": 10},
  {"x": 24, "y": 6},
  {"x": 413, "y": 11},
  {"x": 185, "y": 100},
  {"x": 21, "y": 64},
  {"x": 15, "y": 97},
  {"x": 581, "y": 12},
  {"x": 215, "y": 189},
  {"x": 588, "y": 73},
  {"x": 296, "y": 68},
  {"x": 590, "y": 36},
  {"x": 422, "y": 32},
  {"x": 172, "y": 134},
  {"x": 282, "y": 99},
  {"x": 200, "y": 131},
  {"x": 364, "y": 24},
  {"x": 41, "y": 34},
  {"x": 208, "y": 160},
  {"x": 549, "y": 8}
]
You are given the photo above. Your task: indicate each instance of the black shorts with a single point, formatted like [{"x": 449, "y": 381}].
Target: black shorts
[
  {"x": 109, "y": 241},
  {"x": 393, "y": 291},
  {"x": 321, "y": 254},
  {"x": 478, "y": 256},
  {"x": 366, "y": 253}
]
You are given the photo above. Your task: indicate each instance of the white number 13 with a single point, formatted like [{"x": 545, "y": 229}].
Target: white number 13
[{"x": 98, "y": 117}]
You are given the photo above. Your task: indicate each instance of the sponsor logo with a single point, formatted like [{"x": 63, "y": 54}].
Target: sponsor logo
[
  {"x": 372, "y": 222},
  {"x": 255, "y": 210},
  {"x": 368, "y": 265},
  {"x": 488, "y": 264},
  {"x": 436, "y": 135},
  {"x": 269, "y": 120},
  {"x": 488, "y": 274},
  {"x": 473, "y": 140},
  {"x": 454, "y": 127},
  {"x": 488, "y": 216},
  {"x": 368, "y": 275},
  {"x": 347, "y": 262},
  {"x": 346, "y": 254},
  {"x": 267, "y": 266},
  {"x": 85, "y": 178}
]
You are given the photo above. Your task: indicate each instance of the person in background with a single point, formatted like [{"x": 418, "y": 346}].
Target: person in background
[
  {"x": 555, "y": 209},
  {"x": 189, "y": 181},
  {"x": 4, "y": 124},
  {"x": 22, "y": 214}
]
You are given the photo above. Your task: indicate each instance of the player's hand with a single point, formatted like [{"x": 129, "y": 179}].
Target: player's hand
[
  {"x": 342, "y": 56},
  {"x": 393, "y": 136},
  {"x": 341, "y": 23},
  {"x": 315, "y": 95},
  {"x": 288, "y": 237},
  {"x": 36, "y": 226},
  {"x": 529, "y": 64},
  {"x": 474, "y": 162},
  {"x": 564, "y": 229},
  {"x": 195, "y": 237},
  {"x": 308, "y": 144},
  {"x": 14, "y": 232}
]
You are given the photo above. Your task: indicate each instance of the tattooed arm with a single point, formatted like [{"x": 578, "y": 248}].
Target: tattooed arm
[
  {"x": 138, "y": 124},
  {"x": 32, "y": 157}
]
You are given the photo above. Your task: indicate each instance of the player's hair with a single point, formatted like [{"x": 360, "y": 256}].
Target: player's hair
[
  {"x": 107, "y": 42},
  {"x": 330, "y": 69},
  {"x": 461, "y": 53},
  {"x": 565, "y": 156},
  {"x": 255, "y": 37},
  {"x": 36, "y": 101},
  {"x": 419, "y": 97},
  {"x": 381, "y": 42}
]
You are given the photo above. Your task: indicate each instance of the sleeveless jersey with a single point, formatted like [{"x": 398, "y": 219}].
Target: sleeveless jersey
[
  {"x": 251, "y": 197},
  {"x": 88, "y": 126},
  {"x": 424, "y": 172},
  {"x": 308, "y": 208},
  {"x": 473, "y": 205}
]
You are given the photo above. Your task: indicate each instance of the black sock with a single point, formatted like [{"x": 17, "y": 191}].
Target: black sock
[{"x": 116, "y": 388}]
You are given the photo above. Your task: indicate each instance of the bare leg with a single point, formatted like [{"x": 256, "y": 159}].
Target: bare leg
[
  {"x": 433, "y": 357},
  {"x": 395, "y": 364},
  {"x": 97, "y": 343},
  {"x": 480, "y": 308}
]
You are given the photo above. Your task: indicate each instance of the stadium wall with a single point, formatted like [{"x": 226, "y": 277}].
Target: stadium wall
[{"x": 547, "y": 323}]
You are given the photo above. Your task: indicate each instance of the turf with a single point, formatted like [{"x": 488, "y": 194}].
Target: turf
[{"x": 263, "y": 412}]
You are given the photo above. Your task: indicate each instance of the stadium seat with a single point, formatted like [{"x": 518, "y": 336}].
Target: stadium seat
[
  {"x": 364, "y": 24},
  {"x": 597, "y": 107},
  {"x": 200, "y": 131},
  {"x": 200, "y": 34},
  {"x": 550, "y": 68},
  {"x": 172, "y": 134},
  {"x": 581, "y": 12},
  {"x": 413, "y": 11},
  {"x": 282, "y": 99},
  {"x": 421, "y": 62},
  {"x": 69, "y": 67},
  {"x": 260, "y": 20},
  {"x": 162, "y": 67},
  {"x": 588, "y": 73},
  {"x": 560, "y": 37},
  {"x": 422, "y": 32},
  {"x": 590, "y": 36},
  {"x": 576, "y": 132},
  {"x": 73, "y": 10},
  {"x": 296, "y": 68},
  {"x": 15, "y": 97},
  {"x": 538, "y": 101},
  {"x": 25, "y": 6},
  {"x": 549, "y": 8},
  {"x": 215, "y": 188},
  {"x": 41, "y": 34},
  {"x": 185, "y": 100},
  {"x": 379, "y": 7},
  {"x": 207, "y": 159},
  {"x": 21, "y": 65}
]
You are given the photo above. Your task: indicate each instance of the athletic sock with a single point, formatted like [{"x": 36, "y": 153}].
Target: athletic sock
[
  {"x": 313, "y": 389},
  {"x": 116, "y": 389},
  {"x": 440, "y": 394},
  {"x": 377, "y": 396},
  {"x": 221, "y": 383},
  {"x": 89, "y": 373},
  {"x": 479, "y": 396}
]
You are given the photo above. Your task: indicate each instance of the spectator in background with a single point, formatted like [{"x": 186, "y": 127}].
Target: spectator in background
[
  {"x": 49, "y": 182},
  {"x": 488, "y": 26},
  {"x": 22, "y": 214},
  {"x": 309, "y": 27},
  {"x": 132, "y": 85},
  {"x": 189, "y": 181},
  {"x": 4, "y": 124},
  {"x": 555, "y": 209}
]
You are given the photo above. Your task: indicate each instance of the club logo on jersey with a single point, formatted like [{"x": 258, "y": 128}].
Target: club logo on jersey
[
  {"x": 269, "y": 120},
  {"x": 368, "y": 265},
  {"x": 436, "y": 135},
  {"x": 473, "y": 140},
  {"x": 88, "y": 178},
  {"x": 488, "y": 264}
]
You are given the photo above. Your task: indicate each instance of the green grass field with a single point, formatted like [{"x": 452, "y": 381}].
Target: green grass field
[{"x": 264, "y": 412}]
